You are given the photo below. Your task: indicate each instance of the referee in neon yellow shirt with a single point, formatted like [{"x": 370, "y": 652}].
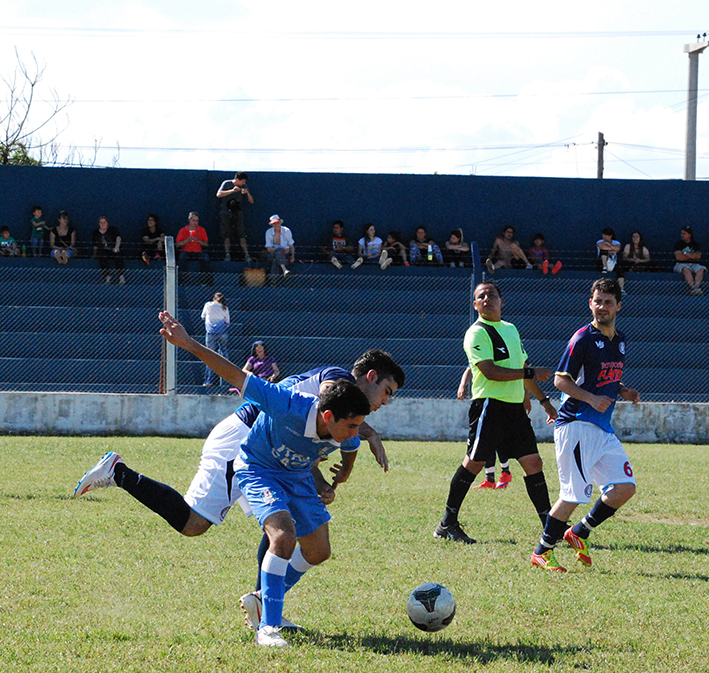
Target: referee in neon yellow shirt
[{"x": 498, "y": 417}]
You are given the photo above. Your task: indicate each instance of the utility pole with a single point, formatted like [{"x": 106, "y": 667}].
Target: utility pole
[
  {"x": 601, "y": 144},
  {"x": 690, "y": 156}
]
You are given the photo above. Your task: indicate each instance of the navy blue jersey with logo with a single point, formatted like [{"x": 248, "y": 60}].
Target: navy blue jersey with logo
[{"x": 595, "y": 363}]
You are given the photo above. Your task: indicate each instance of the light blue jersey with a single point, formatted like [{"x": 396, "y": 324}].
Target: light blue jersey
[{"x": 284, "y": 436}]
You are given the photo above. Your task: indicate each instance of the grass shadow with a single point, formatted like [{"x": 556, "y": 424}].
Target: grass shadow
[
  {"x": 654, "y": 549},
  {"x": 481, "y": 652}
]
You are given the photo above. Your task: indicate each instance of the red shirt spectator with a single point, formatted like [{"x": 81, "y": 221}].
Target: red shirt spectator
[{"x": 192, "y": 237}]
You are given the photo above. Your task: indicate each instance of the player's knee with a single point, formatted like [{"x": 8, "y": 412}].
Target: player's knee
[
  {"x": 282, "y": 542},
  {"x": 196, "y": 525}
]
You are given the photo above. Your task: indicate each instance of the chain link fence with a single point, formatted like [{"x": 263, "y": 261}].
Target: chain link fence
[{"x": 65, "y": 329}]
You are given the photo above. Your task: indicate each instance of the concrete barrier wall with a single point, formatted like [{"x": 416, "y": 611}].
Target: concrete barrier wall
[{"x": 405, "y": 419}]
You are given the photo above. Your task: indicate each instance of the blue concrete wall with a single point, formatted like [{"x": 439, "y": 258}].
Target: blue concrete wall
[{"x": 571, "y": 212}]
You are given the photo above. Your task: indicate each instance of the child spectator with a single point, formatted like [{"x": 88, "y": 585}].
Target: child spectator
[
  {"x": 371, "y": 247},
  {"x": 506, "y": 253},
  {"x": 457, "y": 252},
  {"x": 8, "y": 245},
  {"x": 688, "y": 253},
  {"x": 423, "y": 249},
  {"x": 338, "y": 248},
  {"x": 261, "y": 363},
  {"x": 538, "y": 255},
  {"x": 636, "y": 256},
  {"x": 107, "y": 249},
  {"x": 153, "y": 240},
  {"x": 37, "y": 229},
  {"x": 395, "y": 249},
  {"x": 62, "y": 239}
]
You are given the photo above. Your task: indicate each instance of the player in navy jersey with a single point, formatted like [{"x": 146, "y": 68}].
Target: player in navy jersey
[{"x": 587, "y": 449}]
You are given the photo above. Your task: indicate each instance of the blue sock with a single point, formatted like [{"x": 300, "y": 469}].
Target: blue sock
[
  {"x": 297, "y": 567},
  {"x": 273, "y": 574}
]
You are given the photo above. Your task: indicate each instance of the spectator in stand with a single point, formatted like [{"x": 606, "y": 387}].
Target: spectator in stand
[
  {"x": 456, "y": 251},
  {"x": 216, "y": 323},
  {"x": 636, "y": 256},
  {"x": 107, "y": 250},
  {"x": 538, "y": 255},
  {"x": 423, "y": 249},
  {"x": 192, "y": 240},
  {"x": 261, "y": 363},
  {"x": 395, "y": 249},
  {"x": 688, "y": 252},
  {"x": 338, "y": 248},
  {"x": 231, "y": 193},
  {"x": 62, "y": 239},
  {"x": 371, "y": 247},
  {"x": 506, "y": 253},
  {"x": 607, "y": 249},
  {"x": 280, "y": 246},
  {"x": 8, "y": 245},
  {"x": 153, "y": 240},
  {"x": 37, "y": 228}
]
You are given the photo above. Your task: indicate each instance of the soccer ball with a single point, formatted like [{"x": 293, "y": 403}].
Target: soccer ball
[{"x": 431, "y": 607}]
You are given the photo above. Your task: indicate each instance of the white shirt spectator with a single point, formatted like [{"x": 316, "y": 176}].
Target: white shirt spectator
[{"x": 286, "y": 238}]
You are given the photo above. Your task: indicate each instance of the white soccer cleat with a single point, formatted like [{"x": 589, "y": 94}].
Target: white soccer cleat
[
  {"x": 269, "y": 636},
  {"x": 253, "y": 609},
  {"x": 100, "y": 475}
]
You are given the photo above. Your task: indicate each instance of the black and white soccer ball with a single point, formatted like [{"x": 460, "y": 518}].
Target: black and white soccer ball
[{"x": 431, "y": 607}]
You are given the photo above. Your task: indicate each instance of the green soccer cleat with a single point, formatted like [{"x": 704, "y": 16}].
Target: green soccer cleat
[
  {"x": 548, "y": 561},
  {"x": 579, "y": 544}
]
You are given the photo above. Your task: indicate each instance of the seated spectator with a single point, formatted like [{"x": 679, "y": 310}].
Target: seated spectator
[
  {"x": 688, "y": 252},
  {"x": 62, "y": 239},
  {"x": 261, "y": 363},
  {"x": 37, "y": 229},
  {"x": 538, "y": 255},
  {"x": 192, "y": 241},
  {"x": 371, "y": 247},
  {"x": 280, "y": 246},
  {"x": 607, "y": 249},
  {"x": 636, "y": 256},
  {"x": 423, "y": 249},
  {"x": 107, "y": 250},
  {"x": 506, "y": 253},
  {"x": 338, "y": 248},
  {"x": 153, "y": 240},
  {"x": 395, "y": 249},
  {"x": 8, "y": 245},
  {"x": 216, "y": 323},
  {"x": 456, "y": 251}
]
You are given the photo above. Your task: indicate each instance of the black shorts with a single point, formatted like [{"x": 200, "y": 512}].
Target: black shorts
[
  {"x": 501, "y": 427},
  {"x": 231, "y": 225}
]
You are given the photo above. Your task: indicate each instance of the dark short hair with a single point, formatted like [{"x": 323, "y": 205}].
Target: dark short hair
[
  {"x": 340, "y": 222},
  {"x": 63, "y": 213},
  {"x": 509, "y": 226},
  {"x": 608, "y": 231},
  {"x": 395, "y": 235},
  {"x": 608, "y": 286},
  {"x": 344, "y": 399},
  {"x": 489, "y": 282},
  {"x": 155, "y": 217},
  {"x": 36, "y": 208},
  {"x": 382, "y": 363},
  {"x": 241, "y": 176},
  {"x": 538, "y": 236},
  {"x": 4, "y": 229}
]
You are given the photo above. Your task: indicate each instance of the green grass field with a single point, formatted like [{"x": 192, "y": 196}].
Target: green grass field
[{"x": 102, "y": 584}]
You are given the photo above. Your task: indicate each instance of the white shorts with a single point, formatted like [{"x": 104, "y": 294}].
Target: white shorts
[
  {"x": 585, "y": 453},
  {"x": 213, "y": 490}
]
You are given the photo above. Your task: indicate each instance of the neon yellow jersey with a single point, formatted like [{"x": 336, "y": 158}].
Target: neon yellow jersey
[{"x": 499, "y": 342}]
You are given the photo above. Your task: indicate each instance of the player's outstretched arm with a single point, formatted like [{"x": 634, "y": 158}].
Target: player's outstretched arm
[
  {"x": 367, "y": 432},
  {"x": 176, "y": 334}
]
